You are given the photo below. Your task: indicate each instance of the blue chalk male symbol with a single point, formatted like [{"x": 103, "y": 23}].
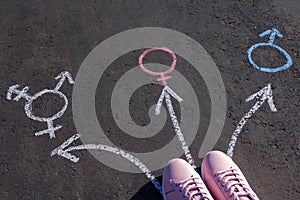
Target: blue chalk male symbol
[
  {"x": 273, "y": 33},
  {"x": 28, "y": 105}
]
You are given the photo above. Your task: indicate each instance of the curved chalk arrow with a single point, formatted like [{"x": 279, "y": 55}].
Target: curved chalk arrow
[
  {"x": 63, "y": 151},
  {"x": 165, "y": 94},
  {"x": 263, "y": 95}
]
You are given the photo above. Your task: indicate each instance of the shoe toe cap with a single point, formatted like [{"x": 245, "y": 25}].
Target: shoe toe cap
[
  {"x": 178, "y": 169},
  {"x": 217, "y": 161}
]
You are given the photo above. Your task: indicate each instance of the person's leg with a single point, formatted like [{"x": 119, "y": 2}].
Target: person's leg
[
  {"x": 182, "y": 182},
  {"x": 224, "y": 179}
]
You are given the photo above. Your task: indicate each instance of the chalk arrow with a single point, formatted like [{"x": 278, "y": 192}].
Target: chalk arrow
[
  {"x": 263, "y": 95},
  {"x": 163, "y": 94},
  {"x": 63, "y": 151},
  {"x": 273, "y": 33},
  {"x": 62, "y": 77}
]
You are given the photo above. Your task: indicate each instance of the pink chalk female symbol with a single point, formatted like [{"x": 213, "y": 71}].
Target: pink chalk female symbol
[
  {"x": 163, "y": 78},
  {"x": 166, "y": 94}
]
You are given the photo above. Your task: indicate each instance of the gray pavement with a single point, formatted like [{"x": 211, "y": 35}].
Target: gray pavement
[{"x": 40, "y": 39}]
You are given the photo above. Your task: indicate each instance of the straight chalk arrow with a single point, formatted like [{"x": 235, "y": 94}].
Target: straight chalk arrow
[
  {"x": 265, "y": 94},
  {"x": 166, "y": 94}
]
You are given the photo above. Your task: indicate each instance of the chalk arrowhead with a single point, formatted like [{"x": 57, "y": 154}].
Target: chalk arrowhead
[
  {"x": 64, "y": 153},
  {"x": 273, "y": 33},
  {"x": 173, "y": 94},
  {"x": 264, "y": 94},
  {"x": 62, "y": 77},
  {"x": 162, "y": 96},
  {"x": 65, "y": 74}
]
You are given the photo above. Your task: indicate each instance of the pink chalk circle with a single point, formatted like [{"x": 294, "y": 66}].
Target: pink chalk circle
[{"x": 162, "y": 78}]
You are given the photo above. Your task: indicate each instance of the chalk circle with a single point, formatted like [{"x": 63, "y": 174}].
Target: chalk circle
[
  {"x": 28, "y": 106},
  {"x": 270, "y": 70},
  {"x": 155, "y": 49},
  {"x": 103, "y": 55}
]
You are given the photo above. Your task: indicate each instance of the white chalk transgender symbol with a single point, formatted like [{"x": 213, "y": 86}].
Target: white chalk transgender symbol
[{"x": 28, "y": 105}]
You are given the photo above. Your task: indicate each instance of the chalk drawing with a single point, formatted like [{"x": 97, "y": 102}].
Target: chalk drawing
[
  {"x": 273, "y": 33},
  {"x": 28, "y": 105},
  {"x": 166, "y": 92},
  {"x": 262, "y": 95},
  {"x": 162, "y": 78},
  {"x": 64, "y": 151},
  {"x": 85, "y": 117}
]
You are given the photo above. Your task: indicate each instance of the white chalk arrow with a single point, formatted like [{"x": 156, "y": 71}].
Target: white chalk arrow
[
  {"x": 165, "y": 94},
  {"x": 162, "y": 96},
  {"x": 263, "y": 95},
  {"x": 64, "y": 151},
  {"x": 62, "y": 77}
]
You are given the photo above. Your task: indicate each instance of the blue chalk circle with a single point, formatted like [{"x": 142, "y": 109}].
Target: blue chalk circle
[{"x": 273, "y": 33}]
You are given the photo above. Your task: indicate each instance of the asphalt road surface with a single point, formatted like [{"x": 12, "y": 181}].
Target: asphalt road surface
[{"x": 40, "y": 39}]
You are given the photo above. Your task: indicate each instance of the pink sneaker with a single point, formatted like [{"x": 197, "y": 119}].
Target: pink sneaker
[
  {"x": 224, "y": 179},
  {"x": 182, "y": 182}
]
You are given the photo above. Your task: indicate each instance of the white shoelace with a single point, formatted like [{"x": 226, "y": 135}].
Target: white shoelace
[
  {"x": 192, "y": 188},
  {"x": 235, "y": 184}
]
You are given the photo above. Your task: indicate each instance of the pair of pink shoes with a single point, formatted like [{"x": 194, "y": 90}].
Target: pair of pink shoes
[{"x": 222, "y": 180}]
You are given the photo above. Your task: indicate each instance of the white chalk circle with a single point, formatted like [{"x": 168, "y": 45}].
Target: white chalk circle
[{"x": 28, "y": 106}]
